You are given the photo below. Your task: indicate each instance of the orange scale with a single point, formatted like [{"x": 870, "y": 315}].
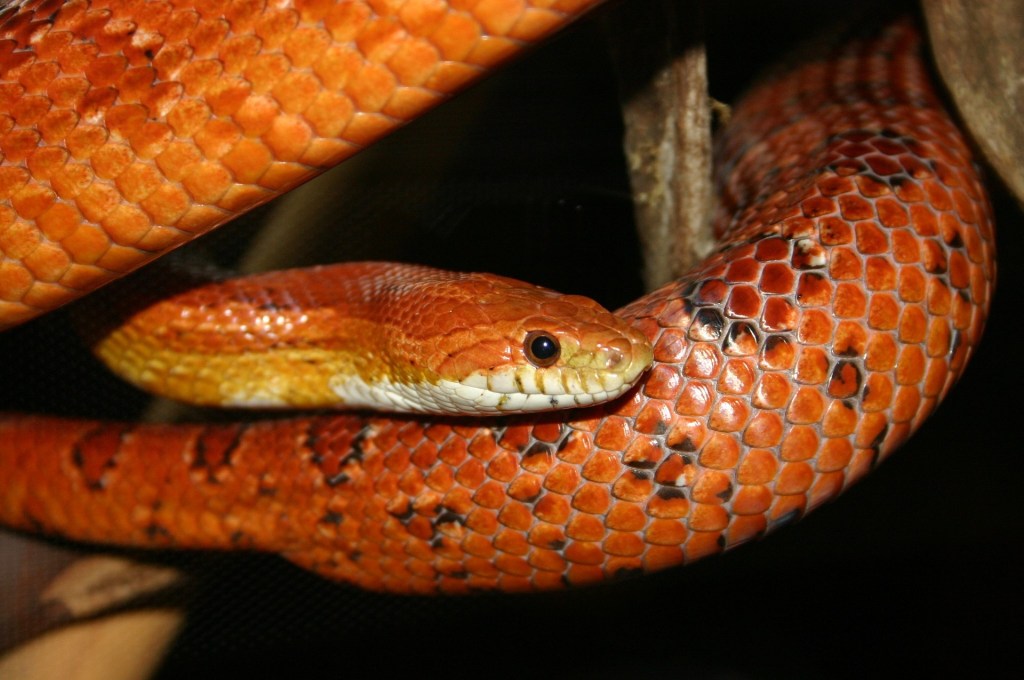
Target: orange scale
[
  {"x": 481, "y": 522},
  {"x": 704, "y": 518},
  {"x": 744, "y": 270},
  {"x": 878, "y": 393},
  {"x": 883, "y": 313},
  {"x": 627, "y": 517},
  {"x": 547, "y": 432},
  {"x": 614, "y": 434},
  {"x": 936, "y": 377},
  {"x": 603, "y": 467},
  {"x": 695, "y": 400},
  {"x": 552, "y": 508},
  {"x": 623, "y": 545},
  {"x": 833, "y": 186},
  {"x": 787, "y": 506},
  {"x": 892, "y": 213},
  {"x": 737, "y": 377},
  {"x": 440, "y": 479},
  {"x": 513, "y": 565},
  {"x": 794, "y": 478},
  {"x": 511, "y": 542},
  {"x": 759, "y": 466},
  {"x": 834, "y": 231},
  {"x": 547, "y": 536},
  {"x": 779, "y": 315},
  {"x": 772, "y": 391},
  {"x": 471, "y": 474},
  {"x": 818, "y": 205},
  {"x": 777, "y": 278},
  {"x": 643, "y": 453},
  {"x": 963, "y": 312},
  {"x": 666, "y": 532},
  {"x": 654, "y": 418},
  {"x": 913, "y": 324},
  {"x": 584, "y": 553},
  {"x": 912, "y": 284},
  {"x": 721, "y": 452},
  {"x": 547, "y": 561},
  {"x": 870, "y": 187},
  {"x": 668, "y": 503},
  {"x": 744, "y": 302},
  {"x": 703, "y": 543},
  {"x": 923, "y": 220},
  {"x": 537, "y": 459},
  {"x": 850, "y": 340},
  {"x": 812, "y": 366},
  {"x": 906, "y": 403},
  {"x": 881, "y": 352},
  {"x": 910, "y": 366},
  {"x": 730, "y": 414},
  {"x": 526, "y": 488},
  {"x": 871, "y": 431},
  {"x": 815, "y": 327},
  {"x": 676, "y": 470},
  {"x": 778, "y": 354},
  {"x": 772, "y": 249},
  {"x": 711, "y": 291},
  {"x": 844, "y": 264},
  {"x": 840, "y": 418},
  {"x": 764, "y": 430},
  {"x": 826, "y": 487},
  {"x": 583, "y": 574},
  {"x": 516, "y": 516},
  {"x": 704, "y": 361},
  {"x": 633, "y": 486},
  {"x": 745, "y": 528},
  {"x": 658, "y": 557},
  {"x": 871, "y": 239},
  {"x": 959, "y": 270},
  {"x": 563, "y": 479},
  {"x": 807, "y": 406},
  {"x": 671, "y": 346},
  {"x": 879, "y": 274},
  {"x": 751, "y": 500},
  {"x": 713, "y": 487},
  {"x": 420, "y": 527},
  {"x": 584, "y": 527}
]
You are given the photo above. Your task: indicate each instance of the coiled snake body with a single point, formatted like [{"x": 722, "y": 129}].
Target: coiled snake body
[{"x": 850, "y": 289}]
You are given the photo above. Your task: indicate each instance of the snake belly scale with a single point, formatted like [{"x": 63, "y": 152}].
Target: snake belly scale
[{"x": 851, "y": 286}]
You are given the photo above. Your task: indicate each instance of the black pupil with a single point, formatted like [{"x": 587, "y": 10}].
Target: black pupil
[{"x": 543, "y": 347}]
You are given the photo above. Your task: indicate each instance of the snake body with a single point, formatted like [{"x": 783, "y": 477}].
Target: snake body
[{"x": 850, "y": 287}]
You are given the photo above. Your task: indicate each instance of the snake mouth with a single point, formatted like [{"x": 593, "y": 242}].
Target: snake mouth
[{"x": 605, "y": 374}]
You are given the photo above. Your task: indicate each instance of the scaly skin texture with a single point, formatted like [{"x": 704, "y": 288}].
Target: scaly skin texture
[
  {"x": 128, "y": 128},
  {"x": 852, "y": 287}
]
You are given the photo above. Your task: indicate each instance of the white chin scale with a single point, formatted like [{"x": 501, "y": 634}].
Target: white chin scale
[{"x": 502, "y": 392}]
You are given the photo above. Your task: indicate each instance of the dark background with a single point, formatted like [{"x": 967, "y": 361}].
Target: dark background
[{"x": 912, "y": 572}]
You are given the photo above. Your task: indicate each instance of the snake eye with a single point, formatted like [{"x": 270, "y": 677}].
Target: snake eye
[{"x": 541, "y": 348}]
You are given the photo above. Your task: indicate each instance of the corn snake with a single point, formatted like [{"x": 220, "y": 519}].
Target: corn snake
[{"x": 681, "y": 434}]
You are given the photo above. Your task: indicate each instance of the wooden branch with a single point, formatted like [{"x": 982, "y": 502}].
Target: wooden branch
[
  {"x": 667, "y": 116},
  {"x": 979, "y": 49}
]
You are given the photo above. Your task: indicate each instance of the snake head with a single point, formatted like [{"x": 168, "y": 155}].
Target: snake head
[
  {"x": 378, "y": 335},
  {"x": 493, "y": 345}
]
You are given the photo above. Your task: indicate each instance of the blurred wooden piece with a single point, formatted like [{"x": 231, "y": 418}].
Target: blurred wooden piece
[
  {"x": 660, "y": 58},
  {"x": 66, "y": 614},
  {"x": 125, "y": 646},
  {"x": 979, "y": 49}
]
